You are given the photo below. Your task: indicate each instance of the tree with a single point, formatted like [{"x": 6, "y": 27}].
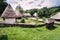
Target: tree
[
  {"x": 20, "y": 8},
  {"x": 26, "y": 11},
  {"x": 44, "y": 12},
  {"x": 47, "y": 12},
  {"x": 31, "y": 11},
  {"x": 2, "y": 6},
  {"x": 40, "y": 13}
]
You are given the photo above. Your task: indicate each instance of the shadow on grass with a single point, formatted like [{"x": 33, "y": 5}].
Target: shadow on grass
[
  {"x": 3, "y": 37},
  {"x": 40, "y": 25},
  {"x": 50, "y": 26},
  {"x": 3, "y": 25},
  {"x": 23, "y": 26}
]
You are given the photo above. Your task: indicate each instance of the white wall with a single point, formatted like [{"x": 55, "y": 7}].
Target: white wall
[{"x": 10, "y": 20}]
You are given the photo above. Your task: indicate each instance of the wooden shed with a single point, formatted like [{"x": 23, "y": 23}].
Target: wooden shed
[{"x": 10, "y": 15}]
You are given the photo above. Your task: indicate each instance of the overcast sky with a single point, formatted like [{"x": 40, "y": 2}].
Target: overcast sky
[{"x": 29, "y": 4}]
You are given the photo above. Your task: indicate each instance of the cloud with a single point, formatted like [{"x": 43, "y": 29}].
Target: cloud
[
  {"x": 47, "y": 3},
  {"x": 56, "y": 2},
  {"x": 29, "y": 4}
]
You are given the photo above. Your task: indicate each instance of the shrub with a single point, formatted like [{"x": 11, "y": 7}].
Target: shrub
[
  {"x": 3, "y": 37},
  {"x": 23, "y": 20}
]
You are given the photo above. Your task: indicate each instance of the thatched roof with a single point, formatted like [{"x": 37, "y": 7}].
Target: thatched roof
[
  {"x": 10, "y": 13},
  {"x": 57, "y": 16},
  {"x": 35, "y": 14},
  {"x": 18, "y": 13},
  {"x": 26, "y": 14}
]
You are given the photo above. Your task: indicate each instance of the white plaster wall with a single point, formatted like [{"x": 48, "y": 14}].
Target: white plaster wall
[{"x": 10, "y": 20}]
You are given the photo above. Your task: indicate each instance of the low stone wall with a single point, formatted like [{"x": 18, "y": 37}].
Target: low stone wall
[{"x": 22, "y": 24}]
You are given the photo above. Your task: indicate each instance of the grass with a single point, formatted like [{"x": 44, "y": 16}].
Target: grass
[
  {"x": 27, "y": 21},
  {"x": 1, "y": 19},
  {"x": 39, "y": 33}
]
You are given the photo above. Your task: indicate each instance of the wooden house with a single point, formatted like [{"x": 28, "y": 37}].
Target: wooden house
[{"x": 9, "y": 15}]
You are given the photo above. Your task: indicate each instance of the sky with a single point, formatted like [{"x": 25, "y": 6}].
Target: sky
[{"x": 30, "y": 4}]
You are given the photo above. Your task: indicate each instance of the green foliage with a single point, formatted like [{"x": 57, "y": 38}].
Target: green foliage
[
  {"x": 47, "y": 12},
  {"x": 22, "y": 20},
  {"x": 2, "y": 6},
  {"x": 54, "y": 10},
  {"x": 26, "y": 11},
  {"x": 44, "y": 12},
  {"x": 31, "y": 11},
  {"x": 3, "y": 37},
  {"x": 44, "y": 18}
]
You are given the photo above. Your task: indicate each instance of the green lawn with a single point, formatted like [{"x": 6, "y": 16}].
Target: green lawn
[
  {"x": 38, "y": 33},
  {"x": 28, "y": 21}
]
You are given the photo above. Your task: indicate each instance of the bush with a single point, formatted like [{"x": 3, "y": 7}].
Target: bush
[
  {"x": 3, "y": 37},
  {"x": 23, "y": 20},
  {"x": 44, "y": 18}
]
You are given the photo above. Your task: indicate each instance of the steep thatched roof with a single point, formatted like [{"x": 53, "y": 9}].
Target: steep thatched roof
[
  {"x": 10, "y": 13},
  {"x": 18, "y": 13},
  {"x": 57, "y": 16}
]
